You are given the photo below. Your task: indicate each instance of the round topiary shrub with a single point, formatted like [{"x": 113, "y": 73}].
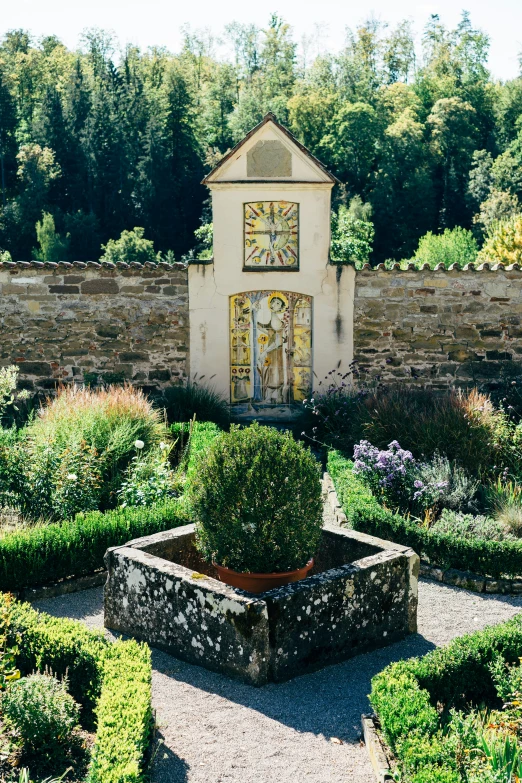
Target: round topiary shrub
[
  {"x": 42, "y": 712},
  {"x": 256, "y": 500}
]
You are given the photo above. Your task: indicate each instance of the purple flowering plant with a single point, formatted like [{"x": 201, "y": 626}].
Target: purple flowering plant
[
  {"x": 392, "y": 474},
  {"x": 403, "y": 483}
]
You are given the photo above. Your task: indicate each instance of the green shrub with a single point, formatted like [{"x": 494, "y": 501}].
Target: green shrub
[
  {"x": 454, "y": 246},
  {"x": 12, "y": 460},
  {"x": 131, "y": 247},
  {"x": 334, "y": 415},
  {"x": 352, "y": 233},
  {"x": 413, "y": 698},
  {"x": 112, "y": 682},
  {"x": 463, "y": 426},
  {"x": 52, "y": 246},
  {"x": 78, "y": 447},
  {"x": 469, "y": 527},
  {"x": 66, "y": 647},
  {"x": 42, "y": 712},
  {"x": 197, "y": 399},
  {"x": 192, "y": 442},
  {"x": 8, "y": 384},
  {"x": 149, "y": 479},
  {"x": 364, "y": 513},
  {"x": 503, "y": 243},
  {"x": 45, "y": 553},
  {"x": 256, "y": 500}
]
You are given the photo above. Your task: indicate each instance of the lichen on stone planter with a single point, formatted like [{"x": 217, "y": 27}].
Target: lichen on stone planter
[{"x": 362, "y": 594}]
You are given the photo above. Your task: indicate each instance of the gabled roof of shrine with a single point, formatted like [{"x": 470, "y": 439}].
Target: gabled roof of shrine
[{"x": 269, "y": 118}]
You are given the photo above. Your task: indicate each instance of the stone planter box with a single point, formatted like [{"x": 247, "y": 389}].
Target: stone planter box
[{"x": 361, "y": 595}]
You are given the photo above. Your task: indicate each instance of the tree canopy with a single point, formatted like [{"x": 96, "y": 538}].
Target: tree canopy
[{"x": 100, "y": 141}]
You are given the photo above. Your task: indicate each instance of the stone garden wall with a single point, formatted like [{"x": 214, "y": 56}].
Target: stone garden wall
[
  {"x": 59, "y": 322},
  {"x": 437, "y": 327}
]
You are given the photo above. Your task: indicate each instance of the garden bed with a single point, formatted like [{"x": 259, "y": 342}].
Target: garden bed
[
  {"x": 441, "y": 715},
  {"x": 361, "y": 595},
  {"x": 111, "y": 682},
  {"x": 484, "y": 565},
  {"x": 35, "y": 556}
]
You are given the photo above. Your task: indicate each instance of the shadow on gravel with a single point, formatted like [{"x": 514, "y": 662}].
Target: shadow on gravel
[
  {"x": 327, "y": 703},
  {"x": 166, "y": 767}
]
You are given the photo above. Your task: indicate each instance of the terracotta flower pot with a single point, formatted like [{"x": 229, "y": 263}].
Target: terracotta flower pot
[{"x": 259, "y": 583}]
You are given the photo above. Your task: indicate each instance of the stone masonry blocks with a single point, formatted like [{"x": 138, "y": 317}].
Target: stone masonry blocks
[
  {"x": 437, "y": 328},
  {"x": 59, "y": 323}
]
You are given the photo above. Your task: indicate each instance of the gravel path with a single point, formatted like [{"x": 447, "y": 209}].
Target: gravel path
[{"x": 216, "y": 730}]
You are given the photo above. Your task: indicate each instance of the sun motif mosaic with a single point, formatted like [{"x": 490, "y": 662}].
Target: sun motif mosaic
[{"x": 271, "y": 235}]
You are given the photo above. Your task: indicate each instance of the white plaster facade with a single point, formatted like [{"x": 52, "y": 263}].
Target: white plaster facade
[{"x": 212, "y": 285}]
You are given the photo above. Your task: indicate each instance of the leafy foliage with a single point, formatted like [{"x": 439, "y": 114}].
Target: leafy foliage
[
  {"x": 463, "y": 426},
  {"x": 123, "y": 716},
  {"x": 52, "y": 247},
  {"x": 427, "y": 745},
  {"x": 445, "y": 549},
  {"x": 352, "y": 234},
  {"x": 42, "y": 711},
  {"x": 45, "y": 553},
  {"x": 503, "y": 244},
  {"x": 149, "y": 479},
  {"x": 456, "y": 246},
  {"x": 197, "y": 398},
  {"x": 8, "y": 384},
  {"x": 470, "y": 527},
  {"x": 131, "y": 247},
  {"x": 104, "y": 143},
  {"x": 405, "y": 484},
  {"x": 8, "y": 671},
  {"x": 74, "y": 453},
  {"x": 111, "y": 682},
  {"x": 255, "y": 496}
]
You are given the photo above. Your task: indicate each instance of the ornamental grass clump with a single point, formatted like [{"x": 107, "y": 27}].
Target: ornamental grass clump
[
  {"x": 256, "y": 500},
  {"x": 75, "y": 452}
]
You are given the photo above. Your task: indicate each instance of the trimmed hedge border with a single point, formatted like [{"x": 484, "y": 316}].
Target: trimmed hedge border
[
  {"x": 47, "y": 553},
  {"x": 407, "y": 697},
  {"x": 112, "y": 682},
  {"x": 482, "y": 558}
]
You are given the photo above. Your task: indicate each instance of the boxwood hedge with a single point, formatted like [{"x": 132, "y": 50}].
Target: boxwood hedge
[
  {"x": 364, "y": 513},
  {"x": 45, "y": 553},
  {"x": 112, "y": 682},
  {"x": 411, "y": 698}
]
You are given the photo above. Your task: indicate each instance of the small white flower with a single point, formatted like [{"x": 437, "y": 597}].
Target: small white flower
[
  {"x": 163, "y": 446},
  {"x": 72, "y": 477},
  {"x": 139, "y": 444}
]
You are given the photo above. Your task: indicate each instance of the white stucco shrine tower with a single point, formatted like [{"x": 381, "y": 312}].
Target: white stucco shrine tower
[{"x": 269, "y": 316}]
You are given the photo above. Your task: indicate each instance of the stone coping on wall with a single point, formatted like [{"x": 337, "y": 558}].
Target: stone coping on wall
[
  {"x": 91, "y": 265},
  {"x": 485, "y": 267}
]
